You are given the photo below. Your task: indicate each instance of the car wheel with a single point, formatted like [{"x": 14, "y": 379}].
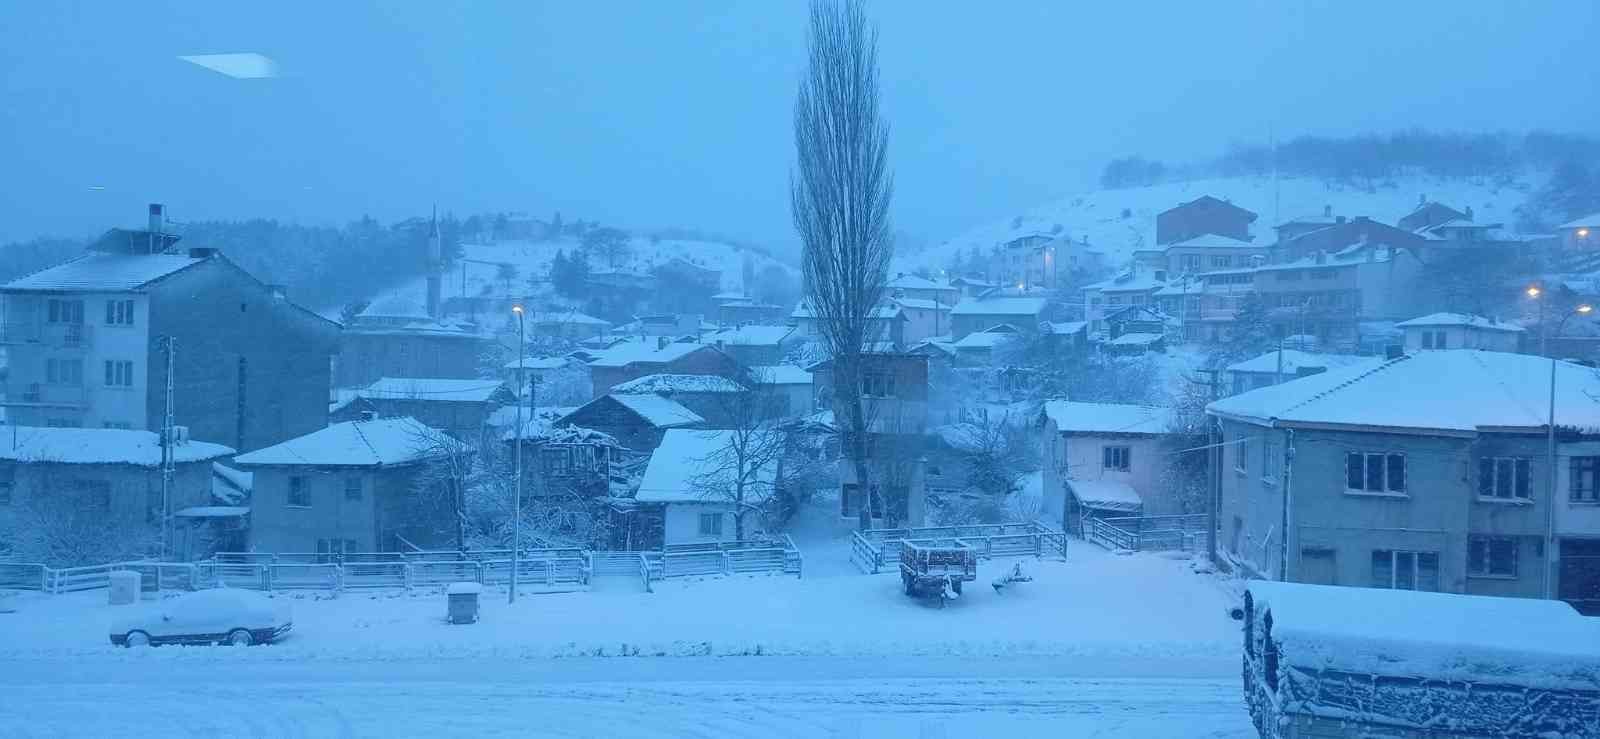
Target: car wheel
[
  {"x": 240, "y": 638},
  {"x": 138, "y": 639}
]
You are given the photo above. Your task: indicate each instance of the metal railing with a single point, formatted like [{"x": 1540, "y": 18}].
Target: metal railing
[
  {"x": 874, "y": 550},
  {"x": 59, "y": 335},
  {"x": 1186, "y": 532},
  {"x": 43, "y": 394}
]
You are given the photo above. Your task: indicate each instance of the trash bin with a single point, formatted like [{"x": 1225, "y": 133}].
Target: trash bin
[
  {"x": 124, "y": 587},
  {"x": 463, "y": 601}
]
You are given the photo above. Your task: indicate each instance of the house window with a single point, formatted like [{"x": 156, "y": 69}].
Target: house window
[
  {"x": 1221, "y": 262},
  {"x": 1405, "y": 570},
  {"x": 1271, "y": 460},
  {"x": 1489, "y": 556},
  {"x": 711, "y": 524},
  {"x": 1191, "y": 263},
  {"x": 1585, "y": 483},
  {"x": 1505, "y": 478},
  {"x": 299, "y": 492},
  {"x": 352, "y": 488},
  {"x": 119, "y": 312},
  {"x": 119, "y": 373},
  {"x": 877, "y": 384},
  {"x": 1116, "y": 458},
  {"x": 63, "y": 371},
  {"x": 60, "y": 310},
  {"x": 1241, "y": 454},
  {"x": 124, "y": 425},
  {"x": 331, "y": 549},
  {"x": 1375, "y": 472}
]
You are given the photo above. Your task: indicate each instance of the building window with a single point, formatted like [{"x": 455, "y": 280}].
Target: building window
[
  {"x": 299, "y": 492},
  {"x": 119, "y": 312},
  {"x": 119, "y": 373},
  {"x": 1505, "y": 478},
  {"x": 352, "y": 488},
  {"x": 123, "y": 425},
  {"x": 1585, "y": 483},
  {"x": 711, "y": 524},
  {"x": 1221, "y": 262},
  {"x": 1117, "y": 458},
  {"x": 1405, "y": 570},
  {"x": 555, "y": 461},
  {"x": 877, "y": 384},
  {"x": 63, "y": 371},
  {"x": 1191, "y": 263},
  {"x": 60, "y": 310},
  {"x": 1271, "y": 460},
  {"x": 1375, "y": 472},
  {"x": 1241, "y": 455},
  {"x": 62, "y": 423},
  {"x": 1491, "y": 556}
]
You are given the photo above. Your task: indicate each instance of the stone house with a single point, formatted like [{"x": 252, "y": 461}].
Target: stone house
[{"x": 1428, "y": 471}]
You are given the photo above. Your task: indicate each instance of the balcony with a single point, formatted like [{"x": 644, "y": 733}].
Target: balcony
[
  {"x": 40, "y": 395},
  {"x": 56, "y": 335}
]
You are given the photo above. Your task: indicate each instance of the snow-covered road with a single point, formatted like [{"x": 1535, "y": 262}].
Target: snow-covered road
[{"x": 622, "y": 697}]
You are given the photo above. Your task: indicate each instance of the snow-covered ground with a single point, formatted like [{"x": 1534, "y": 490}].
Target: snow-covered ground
[{"x": 1099, "y": 214}]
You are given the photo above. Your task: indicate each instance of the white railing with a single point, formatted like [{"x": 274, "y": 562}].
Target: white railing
[
  {"x": 1187, "y": 532},
  {"x": 878, "y": 550},
  {"x": 24, "y": 576}
]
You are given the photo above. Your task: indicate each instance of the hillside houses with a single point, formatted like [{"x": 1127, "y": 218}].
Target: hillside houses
[
  {"x": 977, "y": 314},
  {"x": 631, "y": 360},
  {"x": 1201, "y": 216},
  {"x": 637, "y": 421},
  {"x": 460, "y": 408},
  {"x": 1580, "y": 233},
  {"x": 396, "y": 337}
]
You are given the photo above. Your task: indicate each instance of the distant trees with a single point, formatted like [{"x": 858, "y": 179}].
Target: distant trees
[
  {"x": 1250, "y": 335},
  {"x": 1374, "y": 156},
  {"x": 506, "y": 272},
  {"x": 1572, "y": 191},
  {"x": 839, "y": 195},
  {"x": 613, "y": 244},
  {"x": 569, "y": 275},
  {"x": 1131, "y": 171},
  {"x": 776, "y": 285}
]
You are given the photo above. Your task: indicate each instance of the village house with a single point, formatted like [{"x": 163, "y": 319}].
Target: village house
[
  {"x": 1461, "y": 331},
  {"x": 354, "y": 486},
  {"x": 1428, "y": 471},
  {"x": 1208, "y": 252},
  {"x": 978, "y": 349},
  {"x": 712, "y": 397},
  {"x": 637, "y": 421},
  {"x": 690, "y": 480},
  {"x": 887, "y": 323},
  {"x": 753, "y": 344},
  {"x": 1282, "y": 365},
  {"x": 565, "y": 460},
  {"x": 1301, "y": 225},
  {"x": 460, "y": 408},
  {"x": 749, "y": 311},
  {"x": 977, "y": 314},
  {"x": 924, "y": 318},
  {"x": 1104, "y": 460},
  {"x": 110, "y": 481},
  {"x": 397, "y": 338},
  {"x": 974, "y": 287},
  {"x": 895, "y": 404},
  {"x": 1201, "y": 216},
  {"x": 565, "y": 324},
  {"x": 1133, "y": 287},
  {"x": 922, "y": 288},
  {"x": 1580, "y": 233},
  {"x": 1330, "y": 294},
  {"x": 792, "y": 385},
  {"x": 87, "y": 344},
  {"x": 540, "y": 370},
  {"x": 631, "y": 360}
]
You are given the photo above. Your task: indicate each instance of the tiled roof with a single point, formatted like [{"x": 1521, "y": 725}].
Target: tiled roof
[{"x": 103, "y": 272}]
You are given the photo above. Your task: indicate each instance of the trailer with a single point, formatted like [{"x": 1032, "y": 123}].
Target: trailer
[
  {"x": 936, "y": 567},
  {"x": 1330, "y": 661}
]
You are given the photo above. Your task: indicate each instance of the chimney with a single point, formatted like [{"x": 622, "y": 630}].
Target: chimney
[
  {"x": 157, "y": 217},
  {"x": 1327, "y": 210},
  {"x": 1393, "y": 351},
  {"x": 1469, "y": 212},
  {"x": 661, "y": 342}
]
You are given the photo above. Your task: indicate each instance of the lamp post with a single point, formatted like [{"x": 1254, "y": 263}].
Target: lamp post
[
  {"x": 516, "y": 506},
  {"x": 1551, "y": 556}
]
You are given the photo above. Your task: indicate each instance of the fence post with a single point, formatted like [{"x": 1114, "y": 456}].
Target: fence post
[
  {"x": 338, "y": 580},
  {"x": 266, "y": 575},
  {"x": 727, "y": 564},
  {"x": 405, "y": 576}
]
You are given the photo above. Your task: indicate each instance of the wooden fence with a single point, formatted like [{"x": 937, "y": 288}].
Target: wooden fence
[{"x": 877, "y": 550}]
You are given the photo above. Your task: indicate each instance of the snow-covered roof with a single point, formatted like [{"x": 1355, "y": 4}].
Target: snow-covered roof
[
  {"x": 1106, "y": 495},
  {"x": 566, "y": 317},
  {"x": 1589, "y": 221},
  {"x": 1450, "y": 390},
  {"x": 731, "y": 295},
  {"x": 1136, "y": 339},
  {"x": 1125, "y": 282},
  {"x": 913, "y": 282},
  {"x": 752, "y": 335},
  {"x": 684, "y": 469},
  {"x": 104, "y": 272},
  {"x": 506, "y": 416},
  {"x": 431, "y": 388},
  {"x": 921, "y": 304},
  {"x": 397, "y": 306},
  {"x": 544, "y": 430},
  {"x": 655, "y": 410},
  {"x": 1478, "y": 639},
  {"x": 1294, "y": 360},
  {"x": 631, "y": 352},
  {"x": 98, "y": 446},
  {"x": 230, "y": 486},
  {"x": 1062, "y": 327},
  {"x": 1461, "y": 319},
  {"x": 999, "y": 307},
  {"x": 212, "y": 511},
  {"x": 781, "y": 374},
  {"x": 1210, "y": 241},
  {"x": 942, "y": 345},
  {"x": 987, "y": 338},
  {"x": 665, "y": 383},
  {"x": 1107, "y": 418},
  {"x": 883, "y": 312},
  {"x": 539, "y": 363},
  {"x": 375, "y": 443}
]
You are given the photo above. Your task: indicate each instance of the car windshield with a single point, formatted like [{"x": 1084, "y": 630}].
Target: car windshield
[{"x": 834, "y": 368}]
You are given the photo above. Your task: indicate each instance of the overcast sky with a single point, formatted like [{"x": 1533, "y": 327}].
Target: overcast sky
[{"x": 678, "y": 113}]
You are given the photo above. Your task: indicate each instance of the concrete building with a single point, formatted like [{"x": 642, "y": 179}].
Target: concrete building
[
  {"x": 1580, "y": 233},
  {"x": 792, "y": 384},
  {"x": 351, "y": 487},
  {"x": 86, "y": 342},
  {"x": 460, "y": 408},
  {"x": 753, "y": 344},
  {"x": 1461, "y": 331},
  {"x": 887, "y": 323},
  {"x": 922, "y": 288},
  {"x": 1133, "y": 287},
  {"x": 924, "y": 319},
  {"x": 895, "y": 405},
  {"x": 1103, "y": 460},
  {"x": 397, "y": 338},
  {"x": 695, "y": 490},
  {"x": 1427, "y": 472},
  {"x": 978, "y": 314},
  {"x": 1201, "y": 216}
]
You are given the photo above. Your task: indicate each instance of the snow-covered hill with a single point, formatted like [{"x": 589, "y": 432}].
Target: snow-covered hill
[{"x": 1117, "y": 222}]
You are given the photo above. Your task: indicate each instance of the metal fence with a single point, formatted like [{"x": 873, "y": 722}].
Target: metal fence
[
  {"x": 1187, "y": 533},
  {"x": 877, "y": 550}
]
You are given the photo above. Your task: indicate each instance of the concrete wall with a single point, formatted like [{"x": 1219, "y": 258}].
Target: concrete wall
[
  {"x": 682, "y": 522},
  {"x": 366, "y": 356},
  {"x": 1574, "y": 519},
  {"x": 1085, "y": 461},
  {"x": 103, "y": 405},
  {"x": 1462, "y": 337},
  {"x": 922, "y": 323},
  {"x": 371, "y": 522}
]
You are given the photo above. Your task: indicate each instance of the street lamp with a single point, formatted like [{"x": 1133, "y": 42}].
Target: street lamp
[
  {"x": 1551, "y": 556},
  {"x": 516, "y": 507}
]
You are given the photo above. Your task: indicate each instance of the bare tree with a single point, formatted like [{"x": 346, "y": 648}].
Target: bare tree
[
  {"x": 612, "y": 243},
  {"x": 438, "y": 500},
  {"x": 742, "y": 470},
  {"x": 839, "y": 195}
]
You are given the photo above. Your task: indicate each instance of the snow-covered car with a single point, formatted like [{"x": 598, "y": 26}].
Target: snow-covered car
[{"x": 220, "y": 616}]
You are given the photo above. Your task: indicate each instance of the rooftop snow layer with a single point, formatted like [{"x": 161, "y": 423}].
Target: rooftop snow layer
[
  {"x": 684, "y": 469},
  {"x": 382, "y": 441},
  {"x": 538, "y": 363},
  {"x": 1109, "y": 495},
  {"x": 631, "y": 352},
  {"x": 1453, "y": 390},
  {"x": 999, "y": 307},
  {"x": 1211, "y": 241},
  {"x": 98, "y": 446},
  {"x": 750, "y": 335},
  {"x": 677, "y": 384},
  {"x": 431, "y": 388},
  {"x": 1107, "y": 418},
  {"x": 987, "y": 338},
  {"x": 1136, "y": 339},
  {"x": 1461, "y": 319},
  {"x": 1589, "y": 221},
  {"x": 781, "y": 374},
  {"x": 396, "y": 306},
  {"x": 913, "y": 282},
  {"x": 103, "y": 272},
  {"x": 1294, "y": 360},
  {"x": 656, "y": 410}
]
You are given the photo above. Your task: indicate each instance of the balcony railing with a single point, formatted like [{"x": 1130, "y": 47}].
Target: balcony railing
[
  {"x": 19, "y": 333},
  {"x": 59, "y": 335},
  {"x": 44, "y": 396}
]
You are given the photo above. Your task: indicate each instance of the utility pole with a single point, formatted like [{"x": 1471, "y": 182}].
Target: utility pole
[
  {"x": 167, "y": 455},
  {"x": 1214, "y": 471}
]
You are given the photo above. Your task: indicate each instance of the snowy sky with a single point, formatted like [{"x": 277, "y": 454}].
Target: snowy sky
[{"x": 653, "y": 114}]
